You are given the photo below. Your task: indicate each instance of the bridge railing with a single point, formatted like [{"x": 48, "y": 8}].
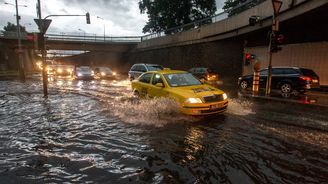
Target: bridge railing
[{"x": 71, "y": 37}]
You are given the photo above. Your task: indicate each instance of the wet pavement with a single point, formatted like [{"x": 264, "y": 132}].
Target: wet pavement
[{"x": 97, "y": 132}]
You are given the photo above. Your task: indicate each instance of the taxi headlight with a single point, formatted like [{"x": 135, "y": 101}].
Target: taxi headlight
[
  {"x": 193, "y": 100},
  {"x": 224, "y": 96}
]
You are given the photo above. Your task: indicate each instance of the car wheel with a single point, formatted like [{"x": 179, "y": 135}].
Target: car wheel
[
  {"x": 286, "y": 88},
  {"x": 243, "y": 84}
]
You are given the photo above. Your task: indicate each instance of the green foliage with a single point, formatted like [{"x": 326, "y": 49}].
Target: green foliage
[
  {"x": 234, "y": 7},
  {"x": 165, "y": 14},
  {"x": 13, "y": 28}
]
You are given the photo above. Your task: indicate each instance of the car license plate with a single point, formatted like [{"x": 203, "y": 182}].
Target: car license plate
[
  {"x": 216, "y": 106},
  {"x": 315, "y": 81}
]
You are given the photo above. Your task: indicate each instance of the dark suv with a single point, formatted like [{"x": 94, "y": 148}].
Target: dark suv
[
  {"x": 140, "y": 68},
  {"x": 286, "y": 79}
]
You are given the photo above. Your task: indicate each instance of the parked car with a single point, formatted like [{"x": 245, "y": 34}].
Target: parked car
[
  {"x": 104, "y": 72},
  {"x": 285, "y": 79},
  {"x": 204, "y": 74},
  {"x": 140, "y": 68},
  {"x": 194, "y": 97},
  {"x": 83, "y": 72}
]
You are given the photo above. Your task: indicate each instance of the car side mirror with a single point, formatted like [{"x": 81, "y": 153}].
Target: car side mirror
[{"x": 161, "y": 85}]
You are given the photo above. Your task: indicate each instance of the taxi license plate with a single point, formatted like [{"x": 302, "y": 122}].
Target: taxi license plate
[
  {"x": 315, "y": 81},
  {"x": 216, "y": 106}
]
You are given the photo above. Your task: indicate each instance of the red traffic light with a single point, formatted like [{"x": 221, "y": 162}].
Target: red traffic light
[
  {"x": 30, "y": 37},
  {"x": 280, "y": 39}
]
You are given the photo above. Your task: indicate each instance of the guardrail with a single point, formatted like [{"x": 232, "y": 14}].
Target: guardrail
[{"x": 71, "y": 37}]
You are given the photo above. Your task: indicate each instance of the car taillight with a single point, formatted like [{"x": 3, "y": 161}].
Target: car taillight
[{"x": 306, "y": 78}]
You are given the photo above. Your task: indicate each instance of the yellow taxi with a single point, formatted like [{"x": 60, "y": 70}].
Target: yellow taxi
[{"x": 194, "y": 97}]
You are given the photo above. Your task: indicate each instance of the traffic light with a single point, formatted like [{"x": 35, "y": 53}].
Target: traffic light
[
  {"x": 248, "y": 58},
  {"x": 87, "y": 15},
  {"x": 276, "y": 40}
]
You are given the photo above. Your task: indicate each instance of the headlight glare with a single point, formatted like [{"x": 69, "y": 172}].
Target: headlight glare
[
  {"x": 225, "y": 96},
  {"x": 193, "y": 100}
]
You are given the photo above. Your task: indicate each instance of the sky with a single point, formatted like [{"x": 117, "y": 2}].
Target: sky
[{"x": 116, "y": 17}]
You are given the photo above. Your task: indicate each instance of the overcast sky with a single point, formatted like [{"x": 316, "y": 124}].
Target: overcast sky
[{"x": 120, "y": 17}]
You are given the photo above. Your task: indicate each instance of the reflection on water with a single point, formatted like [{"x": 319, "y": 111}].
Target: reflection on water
[{"x": 97, "y": 132}]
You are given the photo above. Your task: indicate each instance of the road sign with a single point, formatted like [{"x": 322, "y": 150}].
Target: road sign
[
  {"x": 276, "y": 7},
  {"x": 43, "y": 24}
]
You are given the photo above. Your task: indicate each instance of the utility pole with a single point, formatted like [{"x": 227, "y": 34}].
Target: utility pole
[
  {"x": 20, "y": 51},
  {"x": 276, "y": 4},
  {"x": 43, "y": 51}
]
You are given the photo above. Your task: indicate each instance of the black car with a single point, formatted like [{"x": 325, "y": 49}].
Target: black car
[
  {"x": 204, "y": 74},
  {"x": 285, "y": 79}
]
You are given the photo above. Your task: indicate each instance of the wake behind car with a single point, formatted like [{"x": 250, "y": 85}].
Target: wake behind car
[
  {"x": 140, "y": 68},
  {"x": 194, "y": 97},
  {"x": 285, "y": 79},
  {"x": 83, "y": 72}
]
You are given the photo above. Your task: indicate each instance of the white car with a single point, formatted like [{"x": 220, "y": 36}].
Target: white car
[{"x": 84, "y": 72}]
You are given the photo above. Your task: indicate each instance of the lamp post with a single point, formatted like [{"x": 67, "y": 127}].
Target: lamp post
[
  {"x": 20, "y": 58},
  {"x": 83, "y": 38},
  {"x": 104, "y": 27}
]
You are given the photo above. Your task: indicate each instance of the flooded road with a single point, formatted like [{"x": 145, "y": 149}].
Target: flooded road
[{"x": 97, "y": 132}]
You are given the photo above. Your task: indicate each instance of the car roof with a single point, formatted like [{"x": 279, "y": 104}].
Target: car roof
[{"x": 168, "y": 71}]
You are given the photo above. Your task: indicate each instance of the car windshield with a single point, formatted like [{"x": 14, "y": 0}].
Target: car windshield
[
  {"x": 181, "y": 79},
  {"x": 154, "y": 67},
  {"x": 105, "y": 69},
  {"x": 85, "y": 69}
]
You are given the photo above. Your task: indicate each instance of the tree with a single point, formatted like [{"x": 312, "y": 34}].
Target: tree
[
  {"x": 13, "y": 28},
  {"x": 166, "y": 14},
  {"x": 234, "y": 7}
]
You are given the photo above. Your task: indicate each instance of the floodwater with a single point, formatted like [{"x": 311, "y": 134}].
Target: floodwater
[{"x": 97, "y": 132}]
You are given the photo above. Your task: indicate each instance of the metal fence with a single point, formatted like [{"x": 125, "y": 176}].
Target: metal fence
[{"x": 71, "y": 37}]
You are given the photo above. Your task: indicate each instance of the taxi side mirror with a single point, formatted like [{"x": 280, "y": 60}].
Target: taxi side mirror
[{"x": 161, "y": 85}]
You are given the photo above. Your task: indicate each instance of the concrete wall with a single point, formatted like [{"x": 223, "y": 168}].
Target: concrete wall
[
  {"x": 307, "y": 55},
  {"x": 225, "y": 56},
  {"x": 234, "y": 25}
]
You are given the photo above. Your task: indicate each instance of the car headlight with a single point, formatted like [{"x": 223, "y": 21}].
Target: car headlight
[
  {"x": 225, "y": 96},
  {"x": 79, "y": 74},
  {"x": 114, "y": 73},
  {"x": 59, "y": 70},
  {"x": 193, "y": 100},
  {"x": 102, "y": 73},
  {"x": 92, "y": 73}
]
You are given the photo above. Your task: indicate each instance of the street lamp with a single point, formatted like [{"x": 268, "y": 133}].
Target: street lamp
[
  {"x": 21, "y": 64},
  {"x": 104, "y": 26}
]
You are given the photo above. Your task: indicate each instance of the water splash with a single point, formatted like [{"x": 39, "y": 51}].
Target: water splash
[
  {"x": 240, "y": 107},
  {"x": 156, "y": 112}
]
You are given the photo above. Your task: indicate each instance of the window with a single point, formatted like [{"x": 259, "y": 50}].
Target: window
[
  {"x": 264, "y": 72},
  {"x": 145, "y": 78},
  {"x": 157, "y": 79},
  {"x": 290, "y": 71},
  {"x": 134, "y": 68},
  {"x": 141, "y": 68},
  {"x": 154, "y": 67},
  {"x": 181, "y": 79},
  {"x": 277, "y": 71}
]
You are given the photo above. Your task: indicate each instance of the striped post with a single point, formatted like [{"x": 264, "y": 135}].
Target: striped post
[{"x": 256, "y": 77}]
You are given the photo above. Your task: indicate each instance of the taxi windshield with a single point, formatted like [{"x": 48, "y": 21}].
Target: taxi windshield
[{"x": 181, "y": 79}]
